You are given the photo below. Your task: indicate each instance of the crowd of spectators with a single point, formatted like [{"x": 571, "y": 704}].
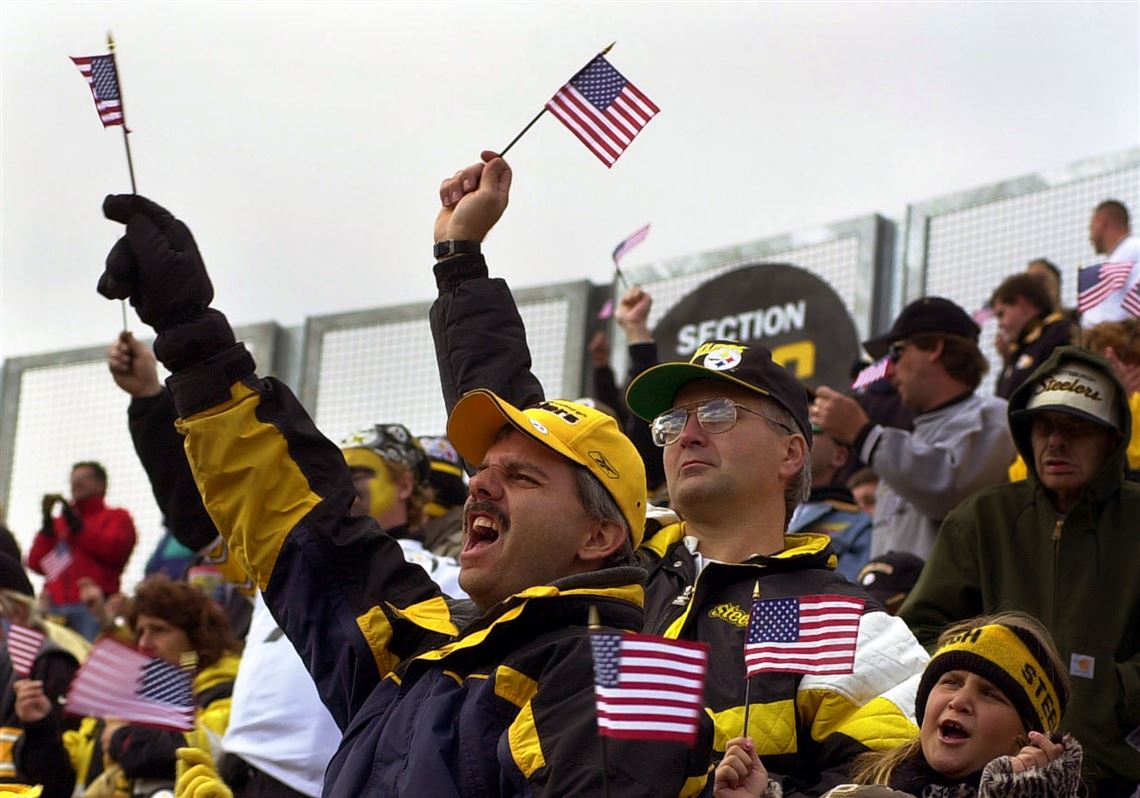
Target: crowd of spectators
[{"x": 410, "y": 615}]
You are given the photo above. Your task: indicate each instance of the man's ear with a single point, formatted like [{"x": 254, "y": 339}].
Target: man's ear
[
  {"x": 795, "y": 456},
  {"x": 604, "y": 539},
  {"x": 935, "y": 354},
  {"x": 840, "y": 457}
]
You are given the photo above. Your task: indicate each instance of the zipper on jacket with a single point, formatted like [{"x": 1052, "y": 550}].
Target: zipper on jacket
[
  {"x": 687, "y": 598},
  {"x": 1057, "y": 536}
]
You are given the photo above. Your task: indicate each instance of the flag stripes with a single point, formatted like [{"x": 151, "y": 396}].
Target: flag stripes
[
  {"x": 1096, "y": 282},
  {"x": 648, "y": 688},
  {"x": 56, "y": 562},
  {"x": 625, "y": 246},
  {"x": 806, "y": 634},
  {"x": 24, "y": 646},
  {"x": 103, "y": 79},
  {"x": 603, "y": 109},
  {"x": 110, "y": 685}
]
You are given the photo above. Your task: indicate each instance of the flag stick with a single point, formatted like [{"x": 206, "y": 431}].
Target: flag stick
[
  {"x": 594, "y": 624},
  {"x": 747, "y": 678},
  {"x": 126, "y": 144},
  {"x": 123, "y": 111},
  {"x": 621, "y": 277},
  {"x": 529, "y": 125},
  {"x": 538, "y": 116}
]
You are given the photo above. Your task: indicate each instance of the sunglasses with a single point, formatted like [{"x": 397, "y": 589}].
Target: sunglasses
[
  {"x": 714, "y": 417},
  {"x": 895, "y": 351}
]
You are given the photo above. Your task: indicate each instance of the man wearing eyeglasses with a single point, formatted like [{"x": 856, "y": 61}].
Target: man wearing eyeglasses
[
  {"x": 960, "y": 442},
  {"x": 735, "y": 435}
]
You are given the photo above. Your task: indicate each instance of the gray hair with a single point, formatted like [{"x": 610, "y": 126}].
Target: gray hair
[
  {"x": 599, "y": 504},
  {"x": 798, "y": 489}
]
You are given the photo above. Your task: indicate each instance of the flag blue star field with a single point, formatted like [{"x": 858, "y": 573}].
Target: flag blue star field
[
  {"x": 116, "y": 681},
  {"x": 603, "y": 109},
  {"x": 804, "y": 634},
  {"x": 648, "y": 688},
  {"x": 1096, "y": 282},
  {"x": 104, "y": 82}
]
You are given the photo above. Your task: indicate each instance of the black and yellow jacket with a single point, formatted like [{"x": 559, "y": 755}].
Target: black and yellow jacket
[
  {"x": 807, "y": 729},
  {"x": 1006, "y": 548},
  {"x": 433, "y": 697},
  {"x": 1032, "y": 348}
]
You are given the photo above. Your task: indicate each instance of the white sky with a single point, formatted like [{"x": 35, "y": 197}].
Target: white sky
[{"x": 303, "y": 142}]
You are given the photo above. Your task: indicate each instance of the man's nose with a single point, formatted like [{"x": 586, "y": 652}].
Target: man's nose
[
  {"x": 693, "y": 432},
  {"x": 486, "y": 483}
]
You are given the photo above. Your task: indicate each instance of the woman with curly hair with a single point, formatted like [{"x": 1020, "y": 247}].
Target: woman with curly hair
[{"x": 171, "y": 621}]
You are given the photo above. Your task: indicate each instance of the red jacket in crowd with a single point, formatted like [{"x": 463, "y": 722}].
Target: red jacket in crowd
[{"x": 99, "y": 550}]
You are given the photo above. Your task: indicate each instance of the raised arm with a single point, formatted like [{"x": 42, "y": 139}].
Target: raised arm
[
  {"x": 480, "y": 340},
  {"x": 277, "y": 490}
]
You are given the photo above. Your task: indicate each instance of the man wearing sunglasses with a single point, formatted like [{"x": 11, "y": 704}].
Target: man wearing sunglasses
[{"x": 960, "y": 442}]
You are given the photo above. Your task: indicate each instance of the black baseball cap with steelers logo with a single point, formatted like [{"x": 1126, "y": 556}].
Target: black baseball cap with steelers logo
[{"x": 748, "y": 365}]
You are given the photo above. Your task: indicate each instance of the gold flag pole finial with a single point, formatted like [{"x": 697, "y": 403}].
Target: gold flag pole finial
[
  {"x": 593, "y": 621},
  {"x": 110, "y": 42},
  {"x": 609, "y": 47}
]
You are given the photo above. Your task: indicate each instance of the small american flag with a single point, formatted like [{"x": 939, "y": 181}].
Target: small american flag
[
  {"x": 625, "y": 246},
  {"x": 104, "y": 81},
  {"x": 808, "y": 634},
  {"x": 56, "y": 562},
  {"x": 648, "y": 688},
  {"x": 117, "y": 681},
  {"x": 603, "y": 109},
  {"x": 1095, "y": 283},
  {"x": 983, "y": 314},
  {"x": 24, "y": 645},
  {"x": 872, "y": 373},
  {"x": 1131, "y": 301}
]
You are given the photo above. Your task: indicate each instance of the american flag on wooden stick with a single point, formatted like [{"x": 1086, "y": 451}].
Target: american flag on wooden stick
[
  {"x": 103, "y": 79},
  {"x": 603, "y": 109},
  {"x": 872, "y": 373},
  {"x": 24, "y": 645},
  {"x": 56, "y": 562},
  {"x": 117, "y": 681},
  {"x": 648, "y": 688},
  {"x": 1096, "y": 282},
  {"x": 803, "y": 634},
  {"x": 1131, "y": 301}
]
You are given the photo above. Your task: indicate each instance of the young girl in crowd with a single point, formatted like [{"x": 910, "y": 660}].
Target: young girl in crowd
[{"x": 992, "y": 690}]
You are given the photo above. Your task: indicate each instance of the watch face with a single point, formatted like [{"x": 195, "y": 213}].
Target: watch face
[{"x": 445, "y": 248}]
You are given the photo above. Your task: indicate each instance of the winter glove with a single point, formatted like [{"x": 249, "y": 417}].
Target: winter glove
[
  {"x": 197, "y": 776},
  {"x": 47, "y": 505},
  {"x": 74, "y": 522},
  {"x": 157, "y": 265}
]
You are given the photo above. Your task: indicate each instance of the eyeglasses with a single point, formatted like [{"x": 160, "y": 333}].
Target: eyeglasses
[
  {"x": 714, "y": 416},
  {"x": 895, "y": 351}
]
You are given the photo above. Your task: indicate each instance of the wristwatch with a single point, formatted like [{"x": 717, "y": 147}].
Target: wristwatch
[{"x": 445, "y": 249}]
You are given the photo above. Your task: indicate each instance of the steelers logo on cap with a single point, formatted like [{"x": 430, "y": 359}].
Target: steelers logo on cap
[
  {"x": 723, "y": 359},
  {"x": 538, "y": 426}
]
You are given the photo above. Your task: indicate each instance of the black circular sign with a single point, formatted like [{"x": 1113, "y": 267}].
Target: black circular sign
[{"x": 790, "y": 311}]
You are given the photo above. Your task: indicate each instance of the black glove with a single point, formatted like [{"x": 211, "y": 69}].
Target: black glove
[
  {"x": 157, "y": 265},
  {"x": 47, "y": 505},
  {"x": 74, "y": 522}
]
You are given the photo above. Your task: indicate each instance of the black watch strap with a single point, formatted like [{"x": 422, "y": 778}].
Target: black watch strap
[{"x": 445, "y": 249}]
